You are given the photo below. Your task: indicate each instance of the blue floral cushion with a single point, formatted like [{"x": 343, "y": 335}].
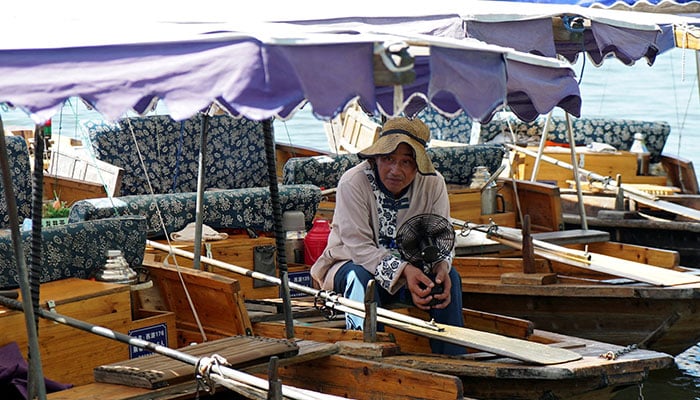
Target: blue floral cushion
[
  {"x": 322, "y": 171},
  {"x": 20, "y": 174},
  {"x": 76, "y": 249},
  {"x": 618, "y": 133},
  {"x": 223, "y": 209},
  {"x": 170, "y": 150},
  {"x": 456, "y": 164},
  {"x": 456, "y": 129}
]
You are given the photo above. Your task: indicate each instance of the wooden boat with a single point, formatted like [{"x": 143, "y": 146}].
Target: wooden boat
[
  {"x": 84, "y": 86},
  {"x": 320, "y": 357},
  {"x": 651, "y": 210},
  {"x": 606, "y": 304}
]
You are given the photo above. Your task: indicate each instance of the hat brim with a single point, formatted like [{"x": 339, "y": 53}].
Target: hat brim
[{"x": 389, "y": 143}]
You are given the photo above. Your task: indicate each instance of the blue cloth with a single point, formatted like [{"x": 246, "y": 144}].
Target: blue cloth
[{"x": 352, "y": 279}]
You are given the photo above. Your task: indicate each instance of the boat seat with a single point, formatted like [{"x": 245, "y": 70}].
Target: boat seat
[
  {"x": 237, "y": 209},
  {"x": 18, "y": 158},
  {"x": 76, "y": 249},
  {"x": 170, "y": 150},
  {"x": 456, "y": 164},
  {"x": 618, "y": 133}
]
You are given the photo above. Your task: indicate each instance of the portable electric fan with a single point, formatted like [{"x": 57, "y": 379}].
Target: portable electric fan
[{"x": 424, "y": 240}]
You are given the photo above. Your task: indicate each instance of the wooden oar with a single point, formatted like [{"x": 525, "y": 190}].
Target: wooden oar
[
  {"x": 583, "y": 259},
  {"x": 497, "y": 344}
]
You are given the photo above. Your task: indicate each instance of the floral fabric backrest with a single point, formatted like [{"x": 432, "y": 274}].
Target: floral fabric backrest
[
  {"x": 245, "y": 208},
  {"x": 456, "y": 164},
  {"x": 77, "y": 249},
  {"x": 322, "y": 171},
  {"x": 618, "y": 133},
  {"x": 20, "y": 174},
  {"x": 170, "y": 151}
]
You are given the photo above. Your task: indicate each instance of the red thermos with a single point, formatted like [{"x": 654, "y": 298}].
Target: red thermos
[{"x": 316, "y": 240}]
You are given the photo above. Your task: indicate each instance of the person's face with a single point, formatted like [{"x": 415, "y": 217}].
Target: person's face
[{"x": 398, "y": 169}]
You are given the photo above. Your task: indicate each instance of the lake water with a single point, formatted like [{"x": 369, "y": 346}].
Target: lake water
[{"x": 666, "y": 91}]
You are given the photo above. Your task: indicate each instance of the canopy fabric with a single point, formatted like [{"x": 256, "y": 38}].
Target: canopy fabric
[
  {"x": 626, "y": 35},
  {"x": 667, "y": 6},
  {"x": 271, "y": 70}
]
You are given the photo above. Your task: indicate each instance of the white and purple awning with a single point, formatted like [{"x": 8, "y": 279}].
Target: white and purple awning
[
  {"x": 527, "y": 25},
  {"x": 268, "y": 67}
]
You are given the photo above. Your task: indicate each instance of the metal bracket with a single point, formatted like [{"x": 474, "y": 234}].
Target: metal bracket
[{"x": 52, "y": 308}]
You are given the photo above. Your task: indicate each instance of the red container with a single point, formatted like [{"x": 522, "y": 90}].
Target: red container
[{"x": 316, "y": 240}]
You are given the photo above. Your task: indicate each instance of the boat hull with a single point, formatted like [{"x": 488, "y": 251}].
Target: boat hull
[{"x": 664, "y": 324}]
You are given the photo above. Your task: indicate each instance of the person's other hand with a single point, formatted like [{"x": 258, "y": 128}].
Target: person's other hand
[{"x": 442, "y": 276}]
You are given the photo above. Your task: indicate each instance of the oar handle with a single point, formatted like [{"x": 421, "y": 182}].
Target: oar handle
[{"x": 354, "y": 307}]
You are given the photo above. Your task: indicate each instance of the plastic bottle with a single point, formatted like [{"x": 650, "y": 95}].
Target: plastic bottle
[
  {"x": 479, "y": 177},
  {"x": 640, "y": 148},
  {"x": 294, "y": 225},
  {"x": 316, "y": 240}
]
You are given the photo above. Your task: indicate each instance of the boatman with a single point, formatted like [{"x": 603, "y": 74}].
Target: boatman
[{"x": 395, "y": 181}]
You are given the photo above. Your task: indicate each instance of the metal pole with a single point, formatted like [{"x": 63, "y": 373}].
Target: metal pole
[
  {"x": 577, "y": 178},
  {"x": 201, "y": 183},
  {"x": 540, "y": 150},
  {"x": 35, "y": 369},
  {"x": 279, "y": 233}
]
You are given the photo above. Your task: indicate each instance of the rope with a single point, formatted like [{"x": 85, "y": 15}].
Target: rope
[{"x": 167, "y": 237}]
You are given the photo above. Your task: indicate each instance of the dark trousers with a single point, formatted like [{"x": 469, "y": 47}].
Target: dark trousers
[{"x": 352, "y": 279}]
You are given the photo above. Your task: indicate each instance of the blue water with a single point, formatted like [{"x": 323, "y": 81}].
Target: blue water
[{"x": 666, "y": 91}]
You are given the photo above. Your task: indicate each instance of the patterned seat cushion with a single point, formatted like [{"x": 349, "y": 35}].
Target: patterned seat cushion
[
  {"x": 456, "y": 164},
  {"x": 223, "y": 209},
  {"x": 170, "y": 150},
  {"x": 20, "y": 175},
  {"x": 618, "y": 133},
  {"x": 76, "y": 249}
]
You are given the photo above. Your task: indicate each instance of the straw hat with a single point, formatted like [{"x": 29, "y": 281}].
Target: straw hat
[{"x": 413, "y": 132}]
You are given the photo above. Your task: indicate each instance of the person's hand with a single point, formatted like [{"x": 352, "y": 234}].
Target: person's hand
[
  {"x": 420, "y": 285},
  {"x": 442, "y": 276}
]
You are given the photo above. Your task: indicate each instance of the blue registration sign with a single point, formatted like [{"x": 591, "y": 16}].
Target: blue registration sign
[
  {"x": 300, "y": 278},
  {"x": 157, "y": 334}
]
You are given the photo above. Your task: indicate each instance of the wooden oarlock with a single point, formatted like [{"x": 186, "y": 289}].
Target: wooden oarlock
[{"x": 492, "y": 343}]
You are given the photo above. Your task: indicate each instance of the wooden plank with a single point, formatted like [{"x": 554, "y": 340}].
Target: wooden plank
[
  {"x": 215, "y": 297},
  {"x": 664, "y": 205},
  {"x": 71, "y": 190},
  {"x": 488, "y": 322},
  {"x": 599, "y": 262},
  {"x": 497, "y": 344},
  {"x": 478, "y": 243},
  {"x": 359, "y": 378},
  {"x": 522, "y": 278},
  {"x": 69, "y": 355},
  {"x": 276, "y": 329},
  {"x": 680, "y": 173},
  {"x": 647, "y": 255},
  {"x": 157, "y": 370},
  {"x": 541, "y": 202},
  {"x": 236, "y": 249}
]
